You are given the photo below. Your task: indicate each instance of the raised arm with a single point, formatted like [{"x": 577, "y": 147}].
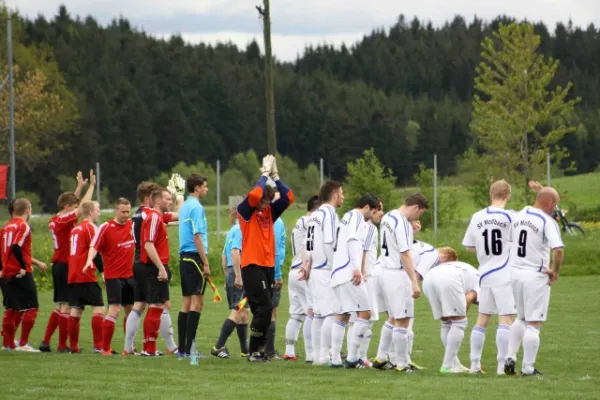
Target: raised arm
[{"x": 252, "y": 200}]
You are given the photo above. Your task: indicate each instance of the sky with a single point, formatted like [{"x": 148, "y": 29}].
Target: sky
[{"x": 299, "y": 23}]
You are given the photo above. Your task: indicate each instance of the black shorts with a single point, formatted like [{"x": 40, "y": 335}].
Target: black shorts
[
  {"x": 2, "y": 285},
  {"x": 60, "y": 279},
  {"x": 86, "y": 294},
  {"x": 258, "y": 285},
  {"x": 158, "y": 291},
  {"x": 21, "y": 293},
  {"x": 140, "y": 275},
  {"x": 234, "y": 295},
  {"x": 191, "y": 274},
  {"x": 120, "y": 291}
]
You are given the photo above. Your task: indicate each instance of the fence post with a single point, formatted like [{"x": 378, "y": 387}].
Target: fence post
[
  {"x": 219, "y": 198},
  {"x": 321, "y": 167},
  {"x": 98, "y": 183},
  {"x": 435, "y": 210},
  {"x": 548, "y": 167}
]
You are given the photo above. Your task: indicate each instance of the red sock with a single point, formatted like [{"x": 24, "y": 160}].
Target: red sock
[
  {"x": 17, "y": 319},
  {"x": 74, "y": 323},
  {"x": 97, "y": 322},
  {"x": 108, "y": 329},
  {"x": 8, "y": 329},
  {"x": 63, "y": 330},
  {"x": 51, "y": 327},
  {"x": 151, "y": 327},
  {"x": 29, "y": 317}
]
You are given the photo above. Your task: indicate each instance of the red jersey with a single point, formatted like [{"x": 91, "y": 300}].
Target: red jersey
[
  {"x": 60, "y": 227},
  {"x": 16, "y": 231},
  {"x": 115, "y": 242},
  {"x": 154, "y": 230},
  {"x": 81, "y": 239}
]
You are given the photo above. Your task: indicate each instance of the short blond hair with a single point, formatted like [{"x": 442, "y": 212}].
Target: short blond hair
[
  {"x": 449, "y": 252},
  {"x": 500, "y": 190},
  {"x": 87, "y": 207}
]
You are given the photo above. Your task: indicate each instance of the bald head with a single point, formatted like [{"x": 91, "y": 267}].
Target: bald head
[{"x": 547, "y": 199}]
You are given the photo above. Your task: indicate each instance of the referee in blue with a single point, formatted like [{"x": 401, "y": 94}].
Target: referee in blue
[{"x": 193, "y": 261}]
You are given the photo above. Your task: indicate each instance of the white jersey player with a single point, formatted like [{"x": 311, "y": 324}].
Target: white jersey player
[
  {"x": 534, "y": 234},
  {"x": 321, "y": 236},
  {"x": 349, "y": 288},
  {"x": 398, "y": 281},
  {"x": 298, "y": 291},
  {"x": 450, "y": 287},
  {"x": 488, "y": 236}
]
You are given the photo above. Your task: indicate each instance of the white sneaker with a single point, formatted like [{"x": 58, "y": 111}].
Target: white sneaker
[
  {"x": 463, "y": 368},
  {"x": 27, "y": 348},
  {"x": 454, "y": 370}
]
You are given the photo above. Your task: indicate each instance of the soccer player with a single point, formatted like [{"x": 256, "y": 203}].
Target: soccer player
[
  {"x": 114, "y": 241},
  {"x": 256, "y": 214},
  {"x": 193, "y": 261},
  {"x": 450, "y": 288},
  {"x": 535, "y": 234},
  {"x": 487, "y": 236},
  {"x": 398, "y": 281},
  {"x": 350, "y": 292},
  {"x": 231, "y": 260},
  {"x": 19, "y": 286},
  {"x": 83, "y": 284},
  {"x": 280, "y": 244},
  {"x": 132, "y": 321},
  {"x": 298, "y": 291},
  {"x": 321, "y": 235},
  {"x": 60, "y": 227}
]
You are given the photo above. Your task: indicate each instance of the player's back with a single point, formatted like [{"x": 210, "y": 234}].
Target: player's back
[
  {"x": 81, "y": 239},
  {"x": 321, "y": 234},
  {"x": 396, "y": 237},
  {"x": 534, "y": 233},
  {"x": 349, "y": 229},
  {"x": 424, "y": 256},
  {"x": 370, "y": 241},
  {"x": 470, "y": 274},
  {"x": 298, "y": 240},
  {"x": 16, "y": 231},
  {"x": 60, "y": 226}
]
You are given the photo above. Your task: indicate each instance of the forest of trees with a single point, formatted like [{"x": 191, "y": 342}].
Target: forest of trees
[{"x": 140, "y": 105}]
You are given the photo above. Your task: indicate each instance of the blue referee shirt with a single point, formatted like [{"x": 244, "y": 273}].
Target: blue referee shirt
[
  {"x": 280, "y": 241},
  {"x": 233, "y": 240},
  {"x": 192, "y": 220}
]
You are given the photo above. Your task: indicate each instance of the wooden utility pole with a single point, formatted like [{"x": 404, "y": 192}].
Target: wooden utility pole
[{"x": 265, "y": 13}]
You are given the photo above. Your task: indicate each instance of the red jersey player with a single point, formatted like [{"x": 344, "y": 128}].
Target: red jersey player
[
  {"x": 114, "y": 240},
  {"x": 83, "y": 285},
  {"x": 60, "y": 227}
]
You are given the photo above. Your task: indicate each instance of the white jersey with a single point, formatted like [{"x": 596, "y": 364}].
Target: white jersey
[
  {"x": 425, "y": 257},
  {"x": 321, "y": 234},
  {"x": 370, "y": 238},
  {"x": 298, "y": 241},
  {"x": 488, "y": 233},
  {"x": 396, "y": 238},
  {"x": 350, "y": 229},
  {"x": 470, "y": 274},
  {"x": 534, "y": 233}
]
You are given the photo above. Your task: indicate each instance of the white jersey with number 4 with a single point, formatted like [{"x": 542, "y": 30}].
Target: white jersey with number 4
[
  {"x": 298, "y": 241},
  {"x": 396, "y": 237},
  {"x": 488, "y": 233},
  {"x": 350, "y": 229},
  {"x": 370, "y": 238},
  {"x": 321, "y": 232},
  {"x": 534, "y": 233}
]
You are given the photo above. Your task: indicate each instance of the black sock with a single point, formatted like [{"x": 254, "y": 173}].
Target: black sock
[
  {"x": 181, "y": 328},
  {"x": 255, "y": 341},
  {"x": 271, "y": 339},
  {"x": 242, "y": 332},
  {"x": 226, "y": 330},
  {"x": 191, "y": 328}
]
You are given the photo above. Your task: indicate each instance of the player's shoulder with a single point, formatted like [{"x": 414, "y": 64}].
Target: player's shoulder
[{"x": 301, "y": 222}]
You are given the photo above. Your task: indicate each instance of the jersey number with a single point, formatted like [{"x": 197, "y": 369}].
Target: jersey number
[
  {"x": 74, "y": 244},
  {"x": 521, "y": 251},
  {"x": 8, "y": 238},
  {"x": 496, "y": 242},
  {"x": 310, "y": 238},
  {"x": 337, "y": 234},
  {"x": 384, "y": 245}
]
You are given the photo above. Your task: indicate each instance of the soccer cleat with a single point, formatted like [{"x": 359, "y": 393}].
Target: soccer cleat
[
  {"x": 45, "y": 347},
  {"x": 76, "y": 351},
  {"x": 289, "y": 358},
  {"x": 454, "y": 370},
  {"x": 27, "y": 348},
  {"x": 332, "y": 365},
  {"x": 158, "y": 353},
  {"x": 132, "y": 353},
  {"x": 244, "y": 355},
  {"x": 354, "y": 364},
  {"x": 274, "y": 356},
  {"x": 257, "y": 357},
  {"x": 181, "y": 356},
  {"x": 407, "y": 369},
  {"x": 367, "y": 363},
  {"x": 65, "y": 350},
  {"x": 309, "y": 362},
  {"x": 382, "y": 365},
  {"x": 418, "y": 367},
  {"x": 98, "y": 350},
  {"x": 174, "y": 351},
  {"x": 534, "y": 373},
  {"x": 477, "y": 372},
  {"x": 106, "y": 352},
  {"x": 509, "y": 366},
  {"x": 220, "y": 353},
  {"x": 146, "y": 354}
]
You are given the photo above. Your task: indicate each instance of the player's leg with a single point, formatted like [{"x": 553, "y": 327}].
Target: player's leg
[
  {"x": 257, "y": 283},
  {"x": 186, "y": 303},
  {"x": 234, "y": 296},
  {"x": 193, "y": 285},
  {"x": 271, "y": 351},
  {"x": 63, "y": 299},
  {"x": 505, "y": 303},
  {"x": 486, "y": 309},
  {"x": 387, "y": 286},
  {"x": 77, "y": 308},
  {"x": 338, "y": 328},
  {"x": 27, "y": 311},
  {"x": 517, "y": 329},
  {"x": 317, "y": 322},
  {"x": 54, "y": 317},
  {"x": 116, "y": 295},
  {"x": 297, "y": 315},
  {"x": 357, "y": 296},
  {"x": 537, "y": 301},
  {"x": 326, "y": 298},
  {"x": 139, "y": 305},
  {"x": 158, "y": 293}
]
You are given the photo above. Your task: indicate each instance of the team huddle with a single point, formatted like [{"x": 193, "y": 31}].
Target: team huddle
[{"x": 344, "y": 274}]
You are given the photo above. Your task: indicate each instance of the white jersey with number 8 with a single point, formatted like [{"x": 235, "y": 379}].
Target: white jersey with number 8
[{"x": 321, "y": 234}]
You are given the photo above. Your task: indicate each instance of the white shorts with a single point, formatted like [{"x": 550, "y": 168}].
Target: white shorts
[
  {"x": 349, "y": 298},
  {"x": 396, "y": 290},
  {"x": 373, "y": 291},
  {"x": 299, "y": 294},
  {"x": 532, "y": 294},
  {"x": 322, "y": 294},
  {"x": 445, "y": 292},
  {"x": 498, "y": 300}
]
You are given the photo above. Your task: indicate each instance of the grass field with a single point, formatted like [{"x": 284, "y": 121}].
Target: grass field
[{"x": 568, "y": 357}]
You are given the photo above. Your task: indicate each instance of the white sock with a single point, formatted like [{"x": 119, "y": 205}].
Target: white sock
[
  {"x": 166, "y": 330},
  {"x": 315, "y": 335},
  {"x": 444, "y": 330},
  {"x": 131, "y": 327},
  {"x": 502, "y": 338},
  {"x": 454, "y": 340},
  {"x": 531, "y": 344},
  {"x": 326, "y": 338},
  {"x": 364, "y": 344},
  {"x": 361, "y": 327},
  {"x": 400, "y": 339},
  {"x": 517, "y": 331},
  {"x": 338, "y": 331},
  {"x": 292, "y": 330},
  {"x": 384, "y": 342},
  {"x": 477, "y": 342},
  {"x": 350, "y": 327},
  {"x": 411, "y": 336},
  {"x": 307, "y": 334}
]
